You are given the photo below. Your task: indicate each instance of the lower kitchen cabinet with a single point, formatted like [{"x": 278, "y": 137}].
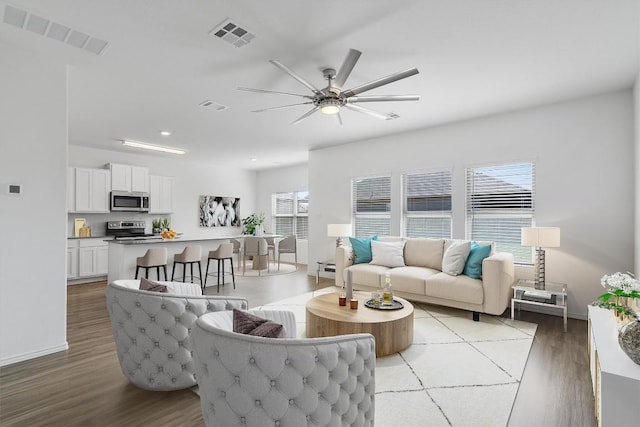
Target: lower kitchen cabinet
[
  {"x": 72, "y": 259},
  {"x": 91, "y": 258}
]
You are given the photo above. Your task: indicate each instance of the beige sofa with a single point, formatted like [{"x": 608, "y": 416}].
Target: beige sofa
[{"x": 422, "y": 278}]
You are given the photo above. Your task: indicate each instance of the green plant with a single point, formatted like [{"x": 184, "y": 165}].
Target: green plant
[
  {"x": 156, "y": 223},
  {"x": 165, "y": 223},
  {"x": 252, "y": 222},
  {"x": 620, "y": 286}
]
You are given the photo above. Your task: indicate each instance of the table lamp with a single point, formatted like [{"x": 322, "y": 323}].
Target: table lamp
[
  {"x": 539, "y": 237},
  {"x": 338, "y": 231}
]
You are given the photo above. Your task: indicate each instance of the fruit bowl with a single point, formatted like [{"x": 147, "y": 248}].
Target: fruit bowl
[{"x": 168, "y": 234}]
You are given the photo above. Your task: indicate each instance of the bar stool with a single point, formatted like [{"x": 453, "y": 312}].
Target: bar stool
[
  {"x": 190, "y": 255},
  {"x": 224, "y": 252},
  {"x": 237, "y": 248},
  {"x": 155, "y": 257}
]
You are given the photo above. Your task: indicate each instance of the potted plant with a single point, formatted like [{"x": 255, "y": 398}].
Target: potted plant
[
  {"x": 253, "y": 222},
  {"x": 165, "y": 223},
  {"x": 156, "y": 223}
]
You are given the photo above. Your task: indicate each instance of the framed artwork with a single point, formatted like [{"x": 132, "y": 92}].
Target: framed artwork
[{"x": 216, "y": 211}]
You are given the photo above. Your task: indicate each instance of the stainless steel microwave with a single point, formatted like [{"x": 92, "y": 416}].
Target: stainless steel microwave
[{"x": 122, "y": 201}]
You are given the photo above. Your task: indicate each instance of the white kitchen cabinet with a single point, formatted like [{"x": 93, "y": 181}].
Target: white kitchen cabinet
[
  {"x": 129, "y": 178},
  {"x": 615, "y": 377},
  {"x": 93, "y": 257},
  {"x": 92, "y": 188},
  {"x": 72, "y": 259},
  {"x": 161, "y": 190},
  {"x": 71, "y": 189}
]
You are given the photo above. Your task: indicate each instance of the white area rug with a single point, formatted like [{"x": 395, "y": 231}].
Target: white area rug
[
  {"x": 457, "y": 372},
  {"x": 285, "y": 268}
]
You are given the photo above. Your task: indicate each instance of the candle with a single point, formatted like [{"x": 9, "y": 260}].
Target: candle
[
  {"x": 353, "y": 303},
  {"x": 342, "y": 299}
]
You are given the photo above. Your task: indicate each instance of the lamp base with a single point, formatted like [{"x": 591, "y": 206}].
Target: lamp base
[
  {"x": 338, "y": 242},
  {"x": 538, "y": 278}
]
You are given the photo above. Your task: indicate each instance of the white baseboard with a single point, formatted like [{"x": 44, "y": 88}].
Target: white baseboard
[{"x": 33, "y": 355}]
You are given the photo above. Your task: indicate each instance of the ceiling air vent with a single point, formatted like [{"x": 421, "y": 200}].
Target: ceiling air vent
[
  {"x": 391, "y": 116},
  {"x": 232, "y": 32},
  {"x": 213, "y": 105},
  {"x": 27, "y": 21}
]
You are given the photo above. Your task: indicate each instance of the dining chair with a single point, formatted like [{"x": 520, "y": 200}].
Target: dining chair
[
  {"x": 288, "y": 245},
  {"x": 255, "y": 247}
]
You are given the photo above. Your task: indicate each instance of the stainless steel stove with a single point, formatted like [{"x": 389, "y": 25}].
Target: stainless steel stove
[{"x": 129, "y": 230}]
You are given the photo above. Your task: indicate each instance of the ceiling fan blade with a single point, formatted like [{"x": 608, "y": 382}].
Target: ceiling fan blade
[
  {"x": 295, "y": 76},
  {"x": 339, "y": 118},
  {"x": 381, "y": 82},
  {"x": 346, "y": 68},
  {"x": 367, "y": 111},
  {"x": 248, "y": 89},
  {"x": 305, "y": 115},
  {"x": 382, "y": 98},
  {"x": 280, "y": 107}
]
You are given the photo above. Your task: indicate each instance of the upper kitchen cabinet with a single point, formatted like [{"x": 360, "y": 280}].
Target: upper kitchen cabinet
[
  {"x": 92, "y": 188},
  {"x": 129, "y": 178},
  {"x": 161, "y": 194}
]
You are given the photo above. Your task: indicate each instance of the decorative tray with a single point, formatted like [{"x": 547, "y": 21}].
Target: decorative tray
[{"x": 396, "y": 305}]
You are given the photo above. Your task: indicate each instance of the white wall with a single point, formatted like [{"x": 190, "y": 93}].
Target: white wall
[
  {"x": 33, "y": 137},
  {"x": 636, "y": 115},
  {"x": 583, "y": 150},
  {"x": 191, "y": 181},
  {"x": 292, "y": 178}
]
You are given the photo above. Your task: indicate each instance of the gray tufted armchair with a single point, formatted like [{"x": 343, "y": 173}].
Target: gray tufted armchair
[
  {"x": 252, "y": 381},
  {"x": 152, "y": 331}
]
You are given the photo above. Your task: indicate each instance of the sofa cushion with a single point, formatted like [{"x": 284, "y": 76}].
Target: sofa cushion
[
  {"x": 477, "y": 254},
  {"x": 455, "y": 256},
  {"x": 423, "y": 252},
  {"x": 389, "y": 254},
  {"x": 457, "y": 288},
  {"x": 409, "y": 279},
  {"x": 148, "y": 285},
  {"x": 361, "y": 249},
  {"x": 250, "y": 324},
  {"x": 366, "y": 274}
]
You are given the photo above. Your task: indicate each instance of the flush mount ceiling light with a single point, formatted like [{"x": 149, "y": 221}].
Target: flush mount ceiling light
[
  {"x": 165, "y": 133},
  {"x": 146, "y": 146}
]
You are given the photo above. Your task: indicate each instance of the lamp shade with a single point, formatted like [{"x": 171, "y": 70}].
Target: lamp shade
[
  {"x": 540, "y": 237},
  {"x": 338, "y": 230}
]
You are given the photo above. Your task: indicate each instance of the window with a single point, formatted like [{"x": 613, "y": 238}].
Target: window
[
  {"x": 500, "y": 201},
  {"x": 371, "y": 206},
  {"x": 427, "y": 204},
  {"x": 290, "y": 214}
]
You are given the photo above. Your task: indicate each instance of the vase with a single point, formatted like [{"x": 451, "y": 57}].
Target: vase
[{"x": 629, "y": 340}]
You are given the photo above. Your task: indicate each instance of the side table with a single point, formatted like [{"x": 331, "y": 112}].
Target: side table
[
  {"x": 554, "y": 295},
  {"x": 328, "y": 265}
]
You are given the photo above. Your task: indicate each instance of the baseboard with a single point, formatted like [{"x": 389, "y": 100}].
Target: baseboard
[{"x": 26, "y": 356}]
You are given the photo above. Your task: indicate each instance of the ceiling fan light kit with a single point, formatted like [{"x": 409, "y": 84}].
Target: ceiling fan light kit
[{"x": 330, "y": 99}]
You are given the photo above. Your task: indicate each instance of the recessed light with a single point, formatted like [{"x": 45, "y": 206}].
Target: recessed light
[
  {"x": 146, "y": 146},
  {"x": 165, "y": 133},
  {"x": 253, "y": 159}
]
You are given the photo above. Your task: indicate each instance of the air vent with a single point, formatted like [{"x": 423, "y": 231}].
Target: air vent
[
  {"x": 233, "y": 33},
  {"x": 38, "y": 25},
  {"x": 391, "y": 116},
  {"x": 213, "y": 105}
]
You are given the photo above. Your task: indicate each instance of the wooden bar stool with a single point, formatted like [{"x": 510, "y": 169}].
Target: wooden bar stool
[
  {"x": 190, "y": 255},
  {"x": 154, "y": 257},
  {"x": 224, "y": 252}
]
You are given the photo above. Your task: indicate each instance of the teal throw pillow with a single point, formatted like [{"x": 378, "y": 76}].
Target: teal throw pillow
[
  {"x": 362, "y": 249},
  {"x": 473, "y": 266}
]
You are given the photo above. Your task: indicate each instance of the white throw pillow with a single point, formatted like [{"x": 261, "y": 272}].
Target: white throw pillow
[
  {"x": 455, "y": 257},
  {"x": 388, "y": 254}
]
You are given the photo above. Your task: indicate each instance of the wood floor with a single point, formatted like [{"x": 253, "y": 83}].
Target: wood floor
[{"x": 85, "y": 387}]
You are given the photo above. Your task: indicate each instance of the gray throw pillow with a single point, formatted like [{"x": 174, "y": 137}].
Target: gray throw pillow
[{"x": 249, "y": 324}]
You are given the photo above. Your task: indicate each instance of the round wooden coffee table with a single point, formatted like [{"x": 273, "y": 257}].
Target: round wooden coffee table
[{"x": 392, "y": 329}]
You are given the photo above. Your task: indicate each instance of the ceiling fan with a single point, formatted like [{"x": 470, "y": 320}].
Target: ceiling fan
[{"x": 330, "y": 99}]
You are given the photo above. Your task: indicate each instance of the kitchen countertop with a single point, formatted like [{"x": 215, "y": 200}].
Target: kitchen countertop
[
  {"x": 152, "y": 240},
  {"x": 105, "y": 237}
]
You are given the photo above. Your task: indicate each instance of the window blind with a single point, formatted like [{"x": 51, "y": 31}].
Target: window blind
[
  {"x": 427, "y": 204},
  {"x": 371, "y": 206},
  {"x": 500, "y": 201},
  {"x": 290, "y": 213}
]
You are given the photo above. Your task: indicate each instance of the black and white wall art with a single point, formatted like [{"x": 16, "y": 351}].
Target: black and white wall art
[{"x": 216, "y": 211}]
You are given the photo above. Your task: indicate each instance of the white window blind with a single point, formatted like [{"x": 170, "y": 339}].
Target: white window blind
[
  {"x": 427, "y": 204},
  {"x": 371, "y": 206},
  {"x": 290, "y": 213},
  {"x": 500, "y": 201}
]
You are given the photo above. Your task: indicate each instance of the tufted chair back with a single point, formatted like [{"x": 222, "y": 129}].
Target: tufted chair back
[
  {"x": 252, "y": 381},
  {"x": 152, "y": 330}
]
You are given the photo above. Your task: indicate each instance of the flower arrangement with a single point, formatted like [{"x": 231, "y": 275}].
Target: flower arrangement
[
  {"x": 252, "y": 222},
  {"x": 619, "y": 286}
]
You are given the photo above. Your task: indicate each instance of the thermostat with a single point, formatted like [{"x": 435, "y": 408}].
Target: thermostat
[{"x": 14, "y": 189}]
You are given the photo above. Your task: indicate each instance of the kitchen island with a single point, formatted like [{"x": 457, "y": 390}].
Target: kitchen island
[{"x": 123, "y": 253}]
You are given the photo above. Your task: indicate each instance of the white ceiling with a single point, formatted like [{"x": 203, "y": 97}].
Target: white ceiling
[{"x": 476, "y": 57}]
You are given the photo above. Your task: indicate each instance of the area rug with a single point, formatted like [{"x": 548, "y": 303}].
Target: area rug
[
  {"x": 457, "y": 372},
  {"x": 285, "y": 268}
]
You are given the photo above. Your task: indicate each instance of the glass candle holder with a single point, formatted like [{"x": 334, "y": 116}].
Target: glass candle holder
[
  {"x": 342, "y": 299},
  {"x": 353, "y": 303}
]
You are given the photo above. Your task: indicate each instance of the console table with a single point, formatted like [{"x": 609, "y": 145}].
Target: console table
[{"x": 615, "y": 378}]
